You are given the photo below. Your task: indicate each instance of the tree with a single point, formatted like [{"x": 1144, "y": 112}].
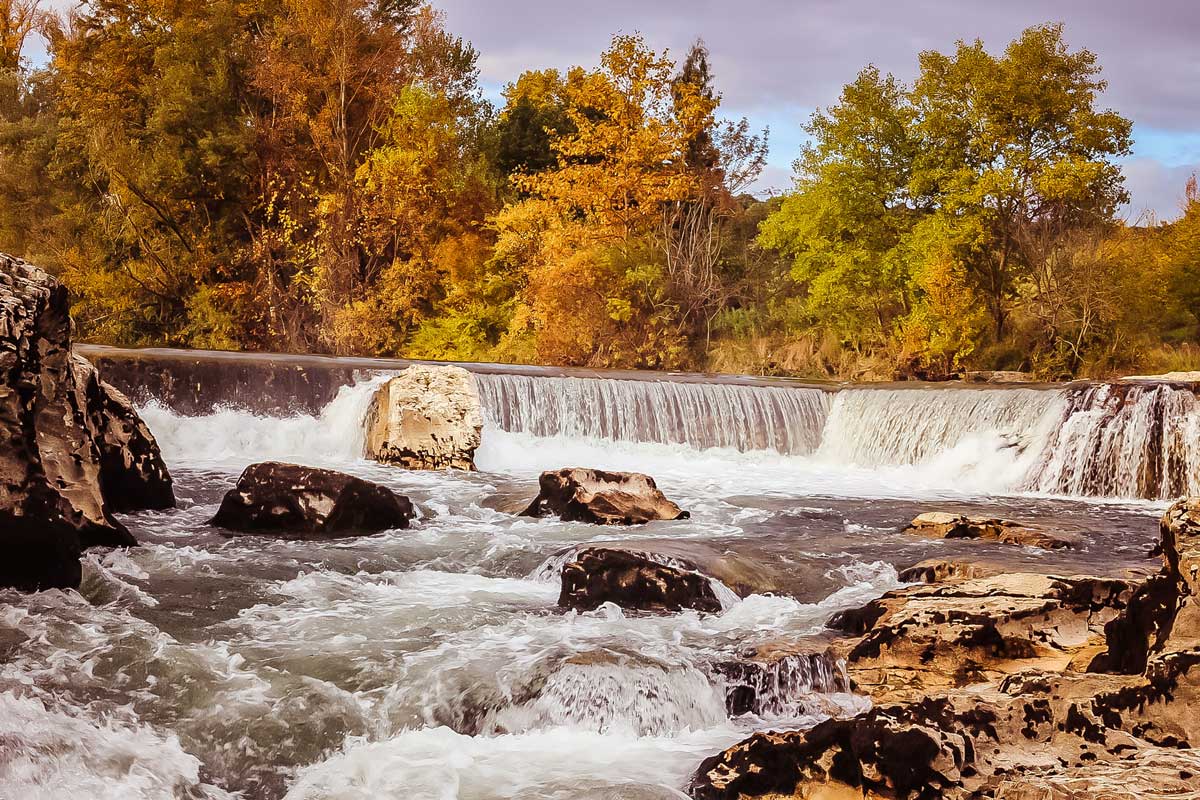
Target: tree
[
  {"x": 723, "y": 158},
  {"x": 593, "y": 290},
  {"x": 330, "y": 73},
  {"x": 534, "y": 114},
  {"x": 912, "y": 205},
  {"x": 1012, "y": 151},
  {"x": 155, "y": 136},
  {"x": 846, "y": 224},
  {"x": 28, "y": 126}
]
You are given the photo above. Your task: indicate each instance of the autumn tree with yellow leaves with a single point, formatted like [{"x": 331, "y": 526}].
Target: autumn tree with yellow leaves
[{"x": 328, "y": 176}]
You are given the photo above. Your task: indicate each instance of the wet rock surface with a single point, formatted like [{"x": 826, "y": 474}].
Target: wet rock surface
[
  {"x": 942, "y": 525},
  {"x": 605, "y": 498},
  {"x": 427, "y": 417},
  {"x": 939, "y": 570},
  {"x": 72, "y": 450},
  {"x": 1008, "y": 686},
  {"x": 639, "y": 581},
  {"x": 741, "y": 574},
  {"x": 292, "y": 501}
]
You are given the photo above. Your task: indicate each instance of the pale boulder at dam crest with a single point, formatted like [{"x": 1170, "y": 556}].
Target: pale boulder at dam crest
[{"x": 427, "y": 417}]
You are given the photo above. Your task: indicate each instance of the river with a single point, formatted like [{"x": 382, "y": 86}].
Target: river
[{"x": 434, "y": 662}]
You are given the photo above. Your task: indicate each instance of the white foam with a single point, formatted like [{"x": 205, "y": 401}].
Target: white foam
[
  {"x": 233, "y": 436},
  {"x": 562, "y": 763},
  {"x": 55, "y": 752}
]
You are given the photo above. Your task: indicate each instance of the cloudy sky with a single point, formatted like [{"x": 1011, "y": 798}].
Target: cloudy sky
[{"x": 777, "y": 60}]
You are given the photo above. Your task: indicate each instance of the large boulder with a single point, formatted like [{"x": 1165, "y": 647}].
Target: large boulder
[
  {"x": 640, "y": 581},
  {"x": 72, "y": 449},
  {"x": 575, "y": 494},
  {"x": 298, "y": 502},
  {"x": 427, "y": 417},
  {"x": 941, "y": 636},
  {"x": 942, "y": 525},
  {"x": 133, "y": 475}
]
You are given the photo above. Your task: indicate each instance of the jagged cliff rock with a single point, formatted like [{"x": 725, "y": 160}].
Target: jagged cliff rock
[
  {"x": 72, "y": 449},
  {"x": 426, "y": 418}
]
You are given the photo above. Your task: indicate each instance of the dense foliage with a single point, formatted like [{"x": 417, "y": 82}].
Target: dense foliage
[{"x": 325, "y": 175}]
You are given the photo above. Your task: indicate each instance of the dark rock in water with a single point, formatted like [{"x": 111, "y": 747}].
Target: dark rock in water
[
  {"x": 743, "y": 575},
  {"x": 72, "y": 449},
  {"x": 630, "y": 580},
  {"x": 940, "y": 525},
  {"x": 35, "y": 556},
  {"x": 604, "y": 498},
  {"x": 309, "y": 503},
  {"x": 133, "y": 475}
]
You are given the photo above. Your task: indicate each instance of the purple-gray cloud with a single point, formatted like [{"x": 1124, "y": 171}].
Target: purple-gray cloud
[{"x": 776, "y": 59}]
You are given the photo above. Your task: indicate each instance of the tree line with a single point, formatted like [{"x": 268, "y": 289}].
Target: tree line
[{"x": 327, "y": 176}]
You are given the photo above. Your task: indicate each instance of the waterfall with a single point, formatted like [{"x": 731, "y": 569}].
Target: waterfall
[
  {"x": 1134, "y": 441},
  {"x": 1109, "y": 440},
  {"x": 701, "y": 415},
  {"x": 879, "y": 427},
  {"x": 1124, "y": 441}
]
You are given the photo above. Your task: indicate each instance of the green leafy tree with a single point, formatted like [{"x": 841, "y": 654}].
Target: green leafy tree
[
  {"x": 1013, "y": 152},
  {"x": 845, "y": 226}
]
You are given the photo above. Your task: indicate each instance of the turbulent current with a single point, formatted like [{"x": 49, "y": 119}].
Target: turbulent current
[{"x": 434, "y": 662}]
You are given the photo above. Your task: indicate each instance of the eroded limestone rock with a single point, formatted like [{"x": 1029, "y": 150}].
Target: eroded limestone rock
[
  {"x": 298, "y": 502},
  {"x": 941, "y": 525},
  {"x": 1025, "y": 723},
  {"x": 950, "y": 635},
  {"x": 605, "y": 498},
  {"x": 427, "y": 417}
]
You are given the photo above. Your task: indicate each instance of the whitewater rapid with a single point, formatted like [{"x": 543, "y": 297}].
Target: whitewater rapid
[
  {"x": 433, "y": 663},
  {"x": 1141, "y": 443}
]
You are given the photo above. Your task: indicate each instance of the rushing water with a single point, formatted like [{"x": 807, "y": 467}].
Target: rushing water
[{"x": 434, "y": 663}]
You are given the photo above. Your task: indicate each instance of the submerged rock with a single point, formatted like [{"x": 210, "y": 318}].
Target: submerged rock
[
  {"x": 72, "y": 449},
  {"x": 427, "y": 417},
  {"x": 604, "y": 498},
  {"x": 940, "y": 525},
  {"x": 636, "y": 581},
  {"x": 937, "y": 570},
  {"x": 786, "y": 681},
  {"x": 309, "y": 503}
]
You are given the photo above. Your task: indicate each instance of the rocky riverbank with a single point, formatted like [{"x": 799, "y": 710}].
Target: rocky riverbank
[{"x": 1008, "y": 686}]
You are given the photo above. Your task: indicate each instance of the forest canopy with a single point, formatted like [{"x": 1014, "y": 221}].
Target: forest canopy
[{"x": 327, "y": 176}]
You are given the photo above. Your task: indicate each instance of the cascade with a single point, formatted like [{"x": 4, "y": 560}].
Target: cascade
[
  {"x": 1123, "y": 441},
  {"x": 701, "y": 415}
]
